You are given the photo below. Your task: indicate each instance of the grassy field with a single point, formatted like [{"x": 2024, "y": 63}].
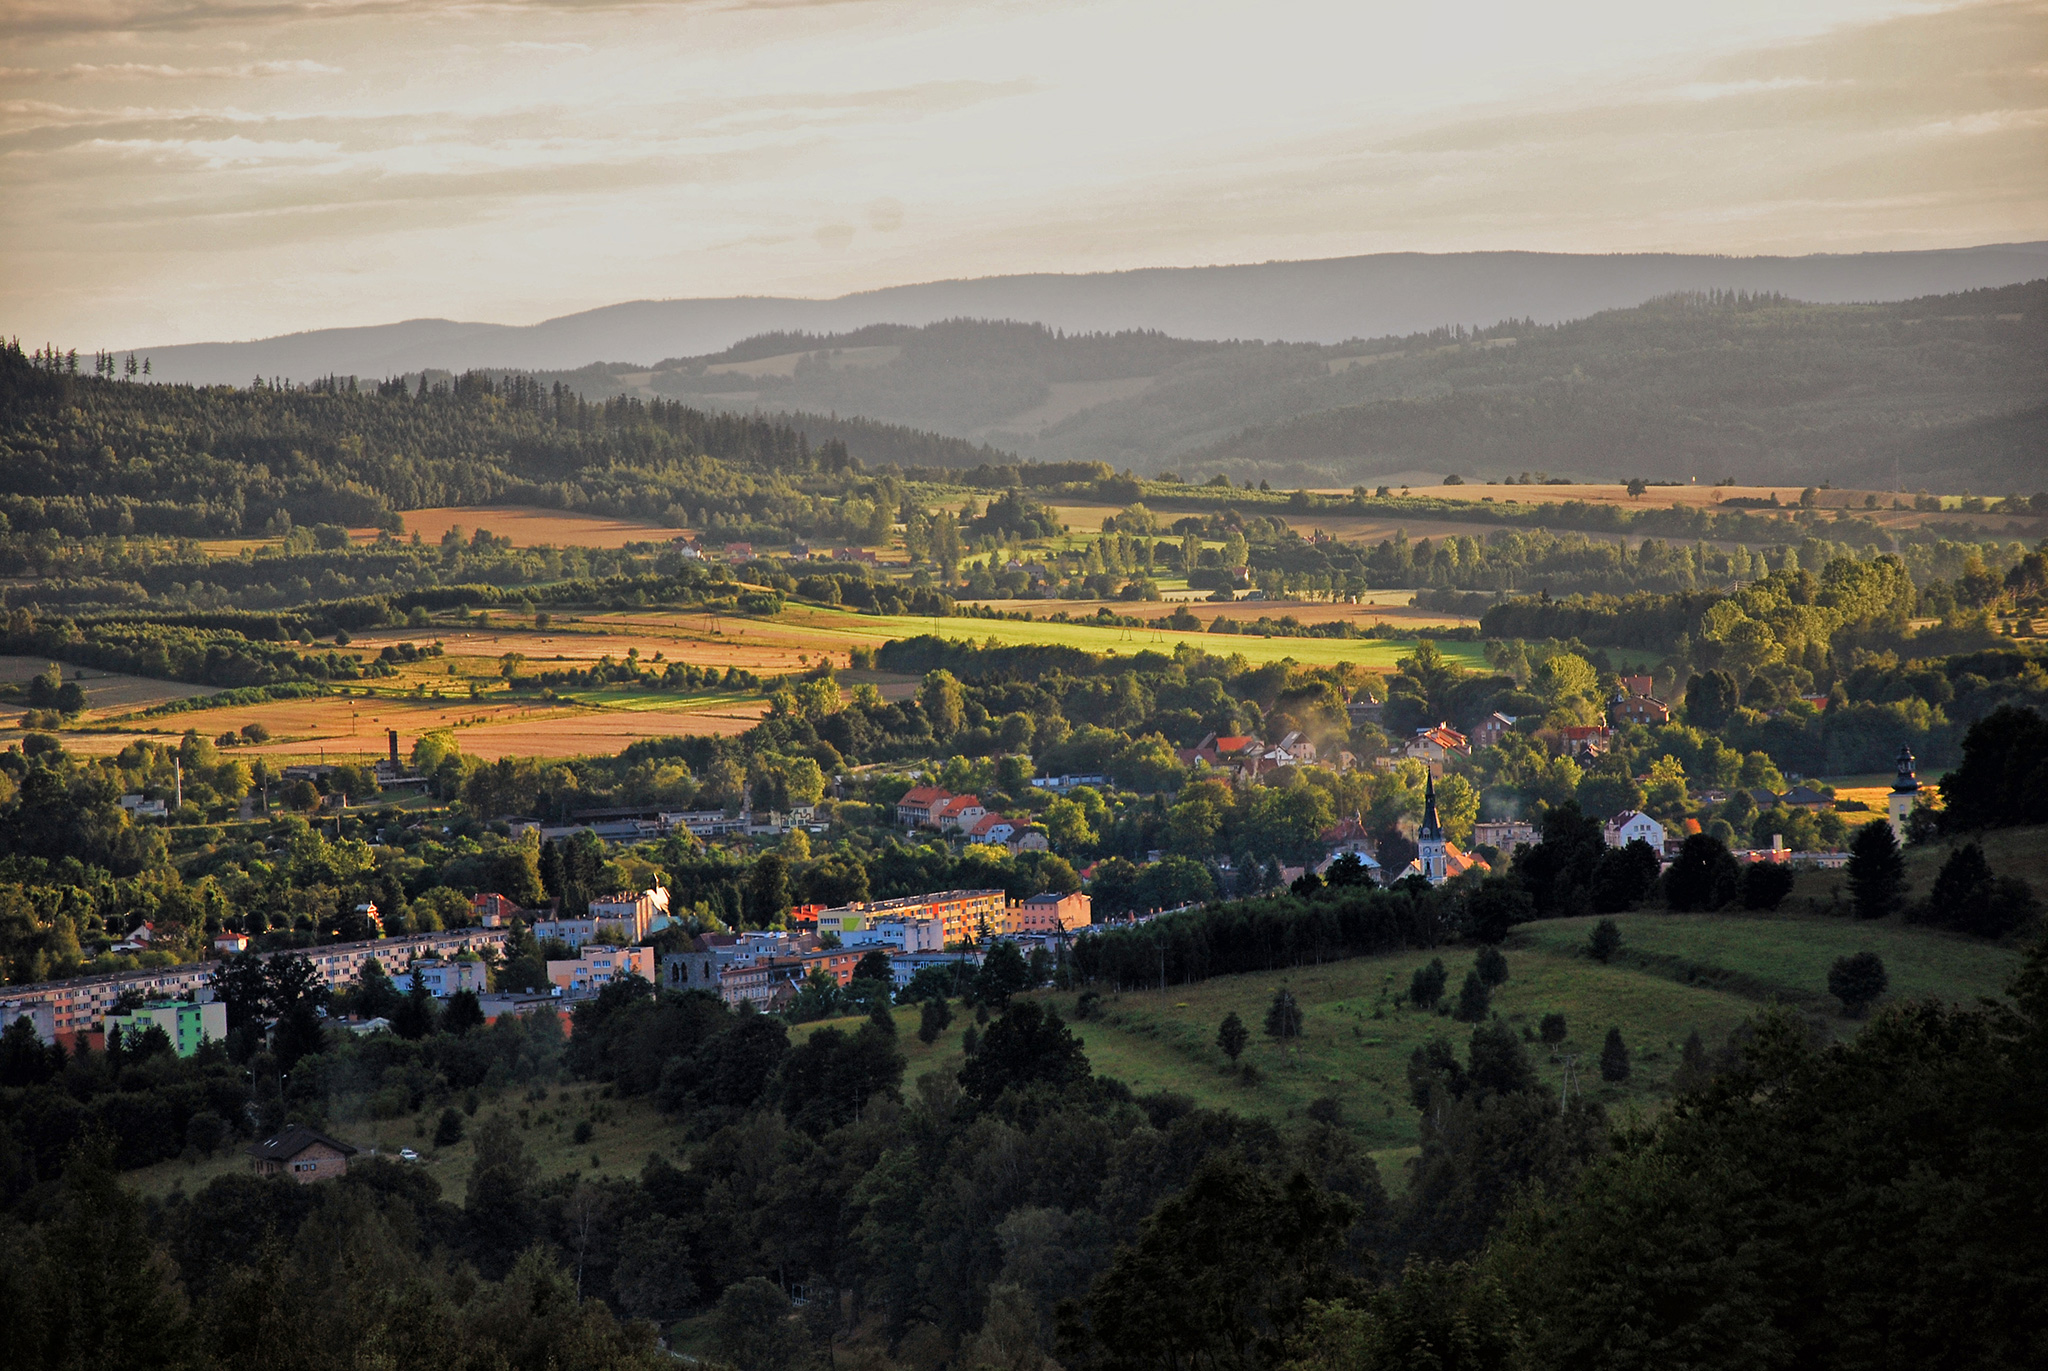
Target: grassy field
[
  {"x": 1786, "y": 958},
  {"x": 623, "y": 1133},
  {"x": 1675, "y": 974},
  {"x": 830, "y": 627},
  {"x": 1678, "y": 973}
]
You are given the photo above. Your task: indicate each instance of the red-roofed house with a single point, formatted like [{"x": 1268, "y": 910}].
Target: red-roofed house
[
  {"x": 957, "y": 811},
  {"x": 1588, "y": 740},
  {"x": 1639, "y": 709},
  {"x": 991, "y": 828},
  {"x": 491, "y": 910},
  {"x": 1433, "y": 745},
  {"x": 915, "y": 808}
]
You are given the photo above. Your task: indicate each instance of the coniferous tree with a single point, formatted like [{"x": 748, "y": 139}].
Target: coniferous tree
[
  {"x": 1614, "y": 1064},
  {"x": 1283, "y": 1017},
  {"x": 933, "y": 1019},
  {"x": 1877, "y": 871},
  {"x": 1604, "y": 941},
  {"x": 1473, "y": 1001},
  {"x": 1232, "y": 1036}
]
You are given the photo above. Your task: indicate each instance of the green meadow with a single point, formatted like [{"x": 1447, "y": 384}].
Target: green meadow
[
  {"x": 1675, "y": 974},
  {"x": 839, "y": 628}
]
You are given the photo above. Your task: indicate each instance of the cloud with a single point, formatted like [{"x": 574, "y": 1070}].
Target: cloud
[
  {"x": 23, "y": 17},
  {"x": 156, "y": 71},
  {"x": 885, "y": 215}
]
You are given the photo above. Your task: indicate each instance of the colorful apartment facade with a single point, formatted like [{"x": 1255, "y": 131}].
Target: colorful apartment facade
[
  {"x": 188, "y": 1025},
  {"x": 599, "y": 966}
]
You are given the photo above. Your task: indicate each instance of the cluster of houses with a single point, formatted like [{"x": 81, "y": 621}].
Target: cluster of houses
[
  {"x": 934, "y": 807},
  {"x": 768, "y": 969},
  {"x": 733, "y": 554},
  {"x": 1247, "y": 757}
]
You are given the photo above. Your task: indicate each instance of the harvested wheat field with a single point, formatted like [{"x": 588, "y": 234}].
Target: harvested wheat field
[
  {"x": 529, "y": 526},
  {"x": 697, "y": 638},
  {"x": 106, "y": 692},
  {"x": 352, "y": 728},
  {"x": 1708, "y": 497}
]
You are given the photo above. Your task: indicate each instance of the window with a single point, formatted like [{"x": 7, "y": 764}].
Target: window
[{"x": 306, "y": 1166}]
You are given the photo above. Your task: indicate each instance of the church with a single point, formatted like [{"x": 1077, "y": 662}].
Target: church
[{"x": 1437, "y": 858}]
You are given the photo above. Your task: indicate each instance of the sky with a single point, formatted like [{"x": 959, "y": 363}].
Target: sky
[{"x": 186, "y": 170}]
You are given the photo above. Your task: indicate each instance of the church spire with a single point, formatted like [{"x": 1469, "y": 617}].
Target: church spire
[{"x": 1431, "y": 829}]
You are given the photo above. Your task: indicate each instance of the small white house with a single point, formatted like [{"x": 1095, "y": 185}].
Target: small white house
[{"x": 1631, "y": 824}]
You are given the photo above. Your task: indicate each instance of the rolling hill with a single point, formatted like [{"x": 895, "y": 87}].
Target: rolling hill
[
  {"x": 1940, "y": 392},
  {"x": 1323, "y": 301}
]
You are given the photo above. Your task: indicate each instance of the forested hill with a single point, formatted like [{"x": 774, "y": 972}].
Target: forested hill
[
  {"x": 1322, "y": 301},
  {"x": 1946, "y": 388},
  {"x": 82, "y": 454}
]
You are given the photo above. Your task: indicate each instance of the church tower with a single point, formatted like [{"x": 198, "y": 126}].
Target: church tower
[
  {"x": 1429, "y": 839},
  {"x": 1905, "y": 793}
]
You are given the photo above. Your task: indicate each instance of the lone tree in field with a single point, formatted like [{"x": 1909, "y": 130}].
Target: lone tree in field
[
  {"x": 1232, "y": 1036},
  {"x": 1553, "y": 1030},
  {"x": 1473, "y": 1001},
  {"x": 1877, "y": 873},
  {"x": 1427, "y": 985},
  {"x": 1614, "y": 1058},
  {"x": 933, "y": 1020},
  {"x": 1693, "y": 1072},
  {"x": 1491, "y": 966},
  {"x": 1857, "y": 981},
  {"x": 1283, "y": 1017},
  {"x": 1605, "y": 940}
]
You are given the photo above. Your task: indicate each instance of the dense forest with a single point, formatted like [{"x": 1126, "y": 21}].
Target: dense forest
[
  {"x": 1759, "y": 387},
  {"x": 84, "y": 455}
]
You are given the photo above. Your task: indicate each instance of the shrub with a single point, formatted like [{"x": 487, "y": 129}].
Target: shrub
[
  {"x": 1491, "y": 966},
  {"x": 1765, "y": 885},
  {"x": 449, "y": 1130},
  {"x": 1553, "y": 1029},
  {"x": 1857, "y": 981},
  {"x": 1426, "y": 987}
]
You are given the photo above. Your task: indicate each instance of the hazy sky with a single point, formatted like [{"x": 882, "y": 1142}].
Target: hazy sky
[{"x": 177, "y": 170}]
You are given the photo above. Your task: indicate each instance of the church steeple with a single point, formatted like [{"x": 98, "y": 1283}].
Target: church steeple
[
  {"x": 1431, "y": 851},
  {"x": 1431, "y": 830},
  {"x": 1905, "y": 794}
]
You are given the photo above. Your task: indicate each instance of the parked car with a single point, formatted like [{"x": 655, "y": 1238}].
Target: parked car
[{"x": 406, "y": 1154}]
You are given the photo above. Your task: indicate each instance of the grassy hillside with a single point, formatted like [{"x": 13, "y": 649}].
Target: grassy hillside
[
  {"x": 1674, "y": 973},
  {"x": 1755, "y": 388},
  {"x": 1678, "y": 973}
]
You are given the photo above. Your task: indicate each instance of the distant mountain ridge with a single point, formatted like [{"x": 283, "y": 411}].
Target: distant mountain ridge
[
  {"x": 1322, "y": 301},
  {"x": 1938, "y": 391}
]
